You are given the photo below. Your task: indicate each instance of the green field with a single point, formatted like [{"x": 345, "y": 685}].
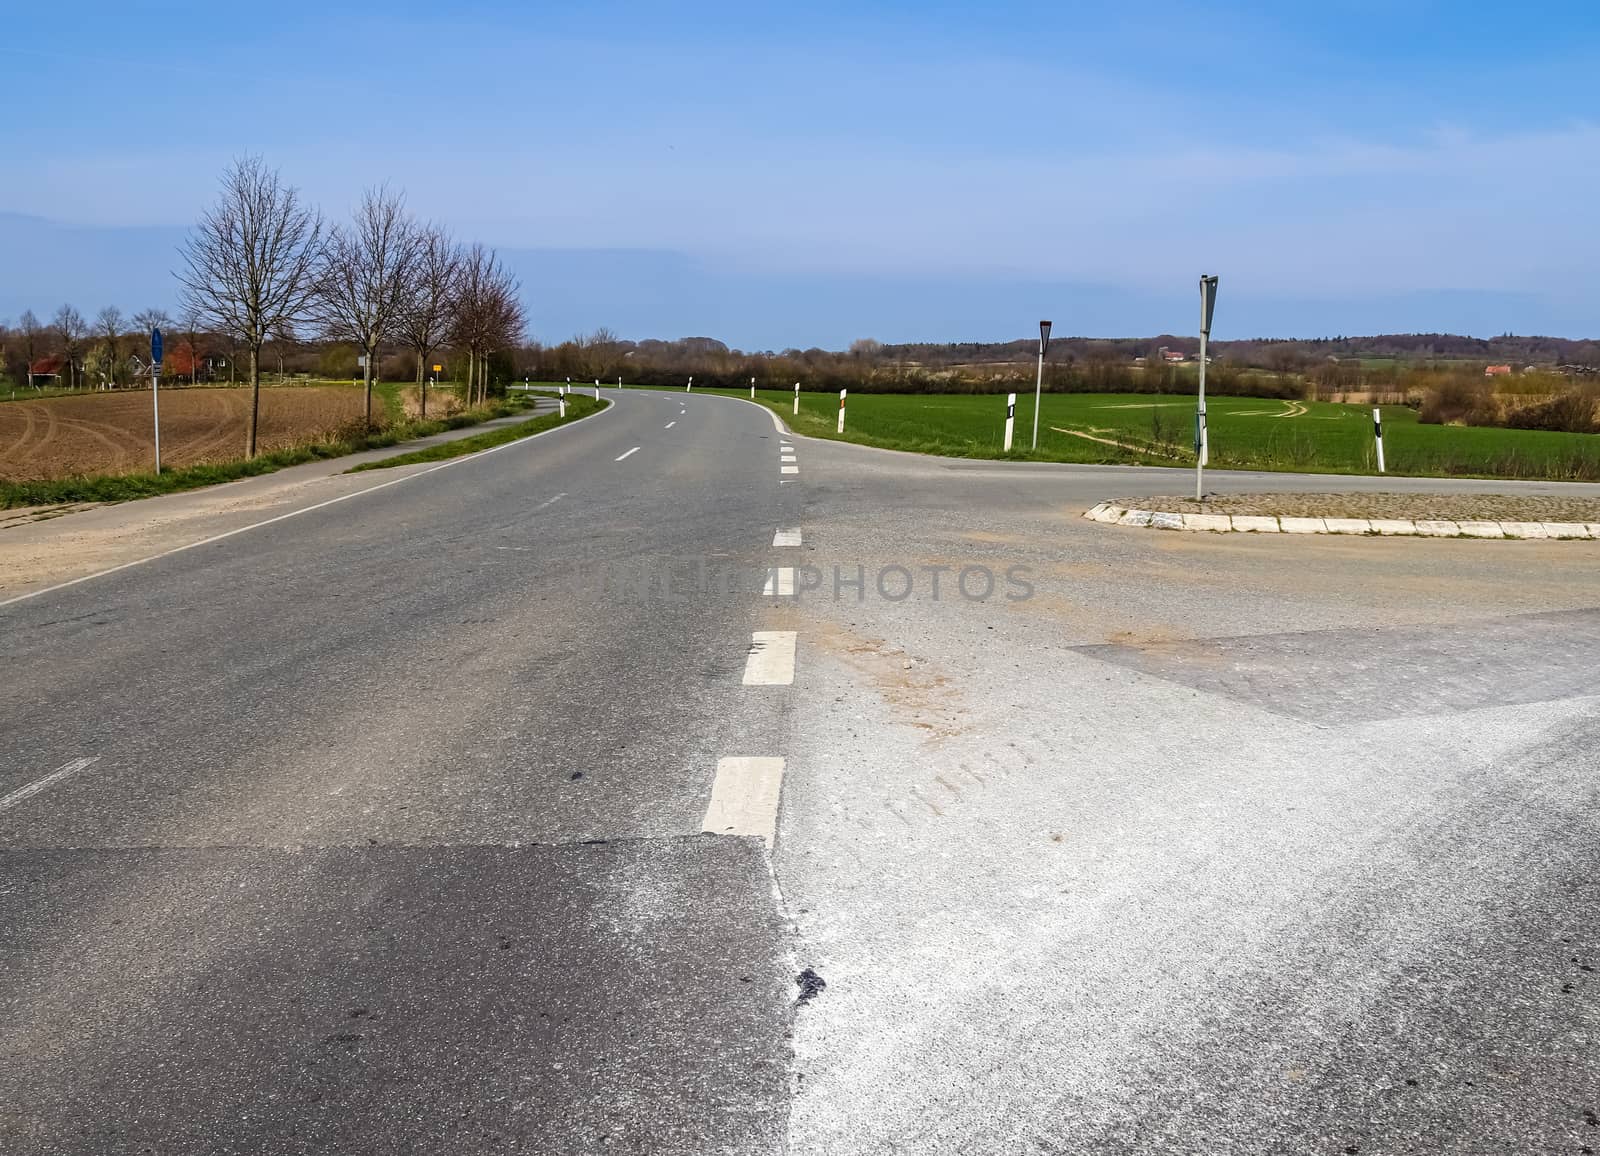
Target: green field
[{"x": 1158, "y": 429}]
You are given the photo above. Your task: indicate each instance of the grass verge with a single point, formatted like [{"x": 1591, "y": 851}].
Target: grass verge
[
  {"x": 577, "y": 407},
  {"x": 126, "y": 487},
  {"x": 1158, "y": 429}
]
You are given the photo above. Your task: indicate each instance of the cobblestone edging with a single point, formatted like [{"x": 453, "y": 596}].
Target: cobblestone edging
[{"x": 1384, "y": 527}]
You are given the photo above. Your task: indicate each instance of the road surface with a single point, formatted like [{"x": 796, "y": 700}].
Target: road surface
[{"x": 381, "y": 827}]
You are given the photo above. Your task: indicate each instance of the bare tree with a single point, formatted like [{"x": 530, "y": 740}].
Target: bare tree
[
  {"x": 426, "y": 319},
  {"x": 31, "y": 335},
  {"x": 488, "y": 315},
  {"x": 71, "y": 329},
  {"x": 365, "y": 276},
  {"x": 250, "y": 265},
  {"x": 108, "y": 326},
  {"x": 193, "y": 322}
]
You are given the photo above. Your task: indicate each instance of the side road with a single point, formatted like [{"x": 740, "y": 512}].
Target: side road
[{"x": 41, "y": 548}]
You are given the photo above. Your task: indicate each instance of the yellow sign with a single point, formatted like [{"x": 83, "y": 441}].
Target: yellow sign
[{"x": 438, "y": 369}]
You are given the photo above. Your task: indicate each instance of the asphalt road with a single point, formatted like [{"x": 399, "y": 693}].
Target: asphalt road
[{"x": 379, "y": 828}]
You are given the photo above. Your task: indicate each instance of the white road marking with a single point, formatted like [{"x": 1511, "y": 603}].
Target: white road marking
[
  {"x": 789, "y": 469},
  {"x": 629, "y": 454},
  {"x": 550, "y": 501},
  {"x": 296, "y": 513},
  {"x": 670, "y": 424},
  {"x": 49, "y": 780},
  {"x": 744, "y": 798},
  {"x": 780, "y": 582},
  {"x": 786, "y": 538},
  {"x": 788, "y": 459},
  {"x": 771, "y": 659}
]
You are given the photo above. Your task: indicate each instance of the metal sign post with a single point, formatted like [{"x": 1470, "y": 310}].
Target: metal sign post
[
  {"x": 1202, "y": 442},
  {"x": 155, "y": 389},
  {"x": 1038, "y": 385}
]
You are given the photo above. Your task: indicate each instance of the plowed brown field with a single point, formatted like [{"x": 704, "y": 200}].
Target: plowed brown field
[{"x": 111, "y": 433}]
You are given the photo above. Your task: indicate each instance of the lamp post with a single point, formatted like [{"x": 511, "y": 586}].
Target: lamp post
[
  {"x": 1202, "y": 443},
  {"x": 1038, "y": 385}
]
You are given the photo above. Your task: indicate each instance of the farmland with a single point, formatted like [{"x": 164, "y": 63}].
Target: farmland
[
  {"x": 1157, "y": 429},
  {"x": 112, "y": 433}
]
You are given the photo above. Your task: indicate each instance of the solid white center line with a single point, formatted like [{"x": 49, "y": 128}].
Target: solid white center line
[
  {"x": 629, "y": 454},
  {"x": 780, "y": 582},
  {"x": 771, "y": 659},
  {"x": 786, "y": 538},
  {"x": 49, "y": 780},
  {"x": 744, "y": 798},
  {"x": 789, "y": 469},
  {"x": 670, "y": 424}
]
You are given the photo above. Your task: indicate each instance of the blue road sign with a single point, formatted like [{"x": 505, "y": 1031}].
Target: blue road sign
[{"x": 155, "y": 346}]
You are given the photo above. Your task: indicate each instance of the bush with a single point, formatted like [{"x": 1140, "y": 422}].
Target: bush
[
  {"x": 1568, "y": 412},
  {"x": 1459, "y": 401}
]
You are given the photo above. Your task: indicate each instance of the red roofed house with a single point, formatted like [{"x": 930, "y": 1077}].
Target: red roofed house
[{"x": 1497, "y": 371}]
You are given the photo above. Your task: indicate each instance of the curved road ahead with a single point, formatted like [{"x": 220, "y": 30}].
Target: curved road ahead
[{"x": 666, "y": 784}]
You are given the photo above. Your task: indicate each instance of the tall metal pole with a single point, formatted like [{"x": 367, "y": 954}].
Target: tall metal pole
[
  {"x": 155, "y": 406},
  {"x": 1202, "y": 444},
  {"x": 1038, "y": 385}
]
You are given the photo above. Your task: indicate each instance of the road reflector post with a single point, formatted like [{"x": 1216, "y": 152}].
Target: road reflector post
[
  {"x": 597, "y": 389},
  {"x": 797, "y": 399},
  {"x": 1011, "y": 418},
  {"x": 752, "y": 389},
  {"x": 562, "y": 402},
  {"x": 842, "y": 393},
  {"x": 1377, "y": 433},
  {"x": 690, "y": 387}
]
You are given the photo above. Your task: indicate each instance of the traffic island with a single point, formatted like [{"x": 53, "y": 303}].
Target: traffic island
[{"x": 1371, "y": 514}]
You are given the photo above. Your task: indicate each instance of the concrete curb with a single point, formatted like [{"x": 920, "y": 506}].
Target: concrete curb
[{"x": 1372, "y": 527}]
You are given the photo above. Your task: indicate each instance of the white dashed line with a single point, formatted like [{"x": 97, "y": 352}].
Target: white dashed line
[
  {"x": 789, "y": 469},
  {"x": 670, "y": 424},
  {"x": 786, "y": 538},
  {"x": 629, "y": 454},
  {"x": 771, "y": 659},
  {"x": 744, "y": 798},
  {"x": 780, "y": 582},
  {"x": 550, "y": 501},
  {"x": 49, "y": 780}
]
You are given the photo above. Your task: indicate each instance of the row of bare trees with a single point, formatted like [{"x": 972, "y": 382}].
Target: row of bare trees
[
  {"x": 98, "y": 352},
  {"x": 263, "y": 264}
]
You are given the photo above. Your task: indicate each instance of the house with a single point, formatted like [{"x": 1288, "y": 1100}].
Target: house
[
  {"x": 45, "y": 367},
  {"x": 1171, "y": 356},
  {"x": 1497, "y": 371}
]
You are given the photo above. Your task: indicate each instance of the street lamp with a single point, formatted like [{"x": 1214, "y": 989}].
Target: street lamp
[
  {"x": 1202, "y": 442},
  {"x": 1038, "y": 385}
]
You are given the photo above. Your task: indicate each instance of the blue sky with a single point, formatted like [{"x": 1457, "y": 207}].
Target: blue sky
[{"x": 782, "y": 175}]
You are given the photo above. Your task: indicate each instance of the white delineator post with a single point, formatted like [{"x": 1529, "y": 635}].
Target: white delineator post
[
  {"x": 842, "y": 393},
  {"x": 1202, "y": 441},
  {"x": 690, "y": 387},
  {"x": 597, "y": 391},
  {"x": 752, "y": 389},
  {"x": 797, "y": 399},
  {"x": 1377, "y": 433},
  {"x": 562, "y": 402},
  {"x": 1011, "y": 418}
]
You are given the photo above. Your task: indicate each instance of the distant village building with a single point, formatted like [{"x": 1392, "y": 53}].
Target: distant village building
[
  {"x": 1497, "y": 371},
  {"x": 1171, "y": 356}
]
